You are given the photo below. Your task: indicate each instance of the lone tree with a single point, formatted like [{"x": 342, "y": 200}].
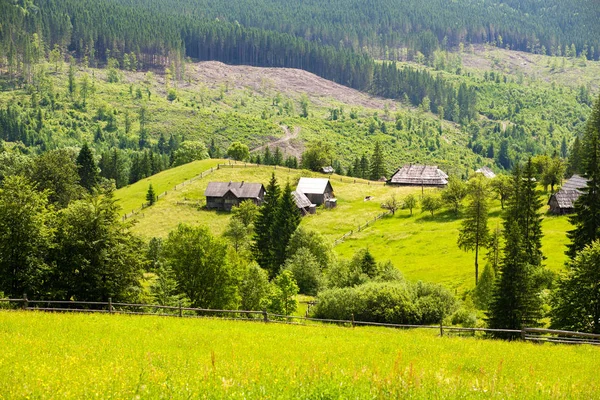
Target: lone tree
[
  {"x": 392, "y": 204},
  {"x": 238, "y": 151},
  {"x": 150, "y": 195},
  {"x": 431, "y": 203},
  {"x": 474, "y": 232},
  {"x": 410, "y": 202},
  {"x": 87, "y": 169},
  {"x": 454, "y": 194},
  {"x": 587, "y": 208}
]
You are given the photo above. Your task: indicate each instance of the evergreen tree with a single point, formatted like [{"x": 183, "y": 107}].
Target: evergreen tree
[
  {"x": 287, "y": 219},
  {"x": 88, "y": 172},
  {"x": 263, "y": 228},
  {"x": 377, "y": 163},
  {"x": 574, "y": 165},
  {"x": 587, "y": 208},
  {"x": 150, "y": 195}
]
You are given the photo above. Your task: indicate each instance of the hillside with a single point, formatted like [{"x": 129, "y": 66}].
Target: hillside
[
  {"x": 152, "y": 357},
  {"x": 404, "y": 240}
]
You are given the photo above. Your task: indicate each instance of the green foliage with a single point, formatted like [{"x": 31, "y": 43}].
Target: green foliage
[
  {"x": 377, "y": 163},
  {"x": 576, "y": 300},
  {"x": 503, "y": 188},
  {"x": 86, "y": 166},
  {"x": 317, "y": 155},
  {"x": 482, "y": 294},
  {"x": 246, "y": 212},
  {"x": 238, "y": 151},
  {"x": 56, "y": 171},
  {"x": 263, "y": 234},
  {"x": 237, "y": 233},
  {"x": 392, "y": 204},
  {"x": 454, "y": 194},
  {"x": 431, "y": 203},
  {"x": 283, "y": 294},
  {"x": 312, "y": 241},
  {"x": 285, "y": 223},
  {"x": 306, "y": 270},
  {"x": 201, "y": 268},
  {"x": 410, "y": 202},
  {"x": 254, "y": 288},
  {"x": 150, "y": 195},
  {"x": 189, "y": 151}
]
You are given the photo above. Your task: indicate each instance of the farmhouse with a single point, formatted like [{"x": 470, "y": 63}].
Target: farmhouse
[
  {"x": 563, "y": 201},
  {"x": 486, "y": 172},
  {"x": 419, "y": 175},
  {"x": 225, "y": 195},
  {"x": 305, "y": 206},
  {"x": 317, "y": 190}
]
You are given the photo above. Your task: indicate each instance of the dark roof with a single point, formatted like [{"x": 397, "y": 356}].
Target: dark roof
[
  {"x": 486, "y": 171},
  {"x": 241, "y": 190},
  {"x": 419, "y": 175},
  {"x": 313, "y": 185},
  {"x": 301, "y": 200},
  {"x": 575, "y": 182},
  {"x": 566, "y": 198}
]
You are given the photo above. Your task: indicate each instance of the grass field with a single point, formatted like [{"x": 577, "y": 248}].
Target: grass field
[
  {"x": 421, "y": 246},
  {"x": 66, "y": 356}
]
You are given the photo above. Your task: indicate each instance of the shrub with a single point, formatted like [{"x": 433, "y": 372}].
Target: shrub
[{"x": 305, "y": 269}]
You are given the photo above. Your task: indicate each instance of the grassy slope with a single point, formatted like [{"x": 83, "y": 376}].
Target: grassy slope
[
  {"x": 422, "y": 247},
  {"x": 151, "y": 357}
]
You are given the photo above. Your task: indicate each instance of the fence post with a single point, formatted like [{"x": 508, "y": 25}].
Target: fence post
[
  {"x": 265, "y": 315},
  {"x": 180, "y": 310},
  {"x": 353, "y": 320},
  {"x": 523, "y": 333},
  {"x": 110, "y": 308},
  {"x": 441, "y": 328},
  {"x": 25, "y": 301}
]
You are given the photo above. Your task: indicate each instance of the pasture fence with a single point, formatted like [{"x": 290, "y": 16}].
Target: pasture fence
[
  {"x": 361, "y": 227},
  {"x": 538, "y": 335}
]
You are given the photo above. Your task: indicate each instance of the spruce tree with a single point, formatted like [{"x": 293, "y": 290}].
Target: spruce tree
[
  {"x": 86, "y": 166},
  {"x": 377, "y": 163},
  {"x": 263, "y": 228},
  {"x": 287, "y": 219},
  {"x": 150, "y": 195},
  {"x": 587, "y": 208}
]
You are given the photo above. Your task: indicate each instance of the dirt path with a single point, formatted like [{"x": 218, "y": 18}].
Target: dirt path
[{"x": 288, "y": 144}]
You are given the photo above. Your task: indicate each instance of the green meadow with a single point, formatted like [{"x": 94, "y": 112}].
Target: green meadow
[
  {"x": 421, "y": 246},
  {"x": 68, "y": 356}
]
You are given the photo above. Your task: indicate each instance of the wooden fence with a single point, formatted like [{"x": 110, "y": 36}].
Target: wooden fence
[
  {"x": 528, "y": 334},
  {"x": 360, "y": 227}
]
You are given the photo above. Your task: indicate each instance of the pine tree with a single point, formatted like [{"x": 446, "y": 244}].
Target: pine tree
[
  {"x": 587, "y": 208},
  {"x": 88, "y": 172},
  {"x": 287, "y": 219},
  {"x": 377, "y": 163},
  {"x": 515, "y": 301},
  {"x": 263, "y": 228},
  {"x": 574, "y": 165}
]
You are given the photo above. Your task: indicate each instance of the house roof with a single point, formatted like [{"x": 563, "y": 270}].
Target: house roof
[
  {"x": 301, "y": 200},
  {"x": 486, "y": 171},
  {"x": 566, "y": 198},
  {"x": 241, "y": 190},
  {"x": 574, "y": 183},
  {"x": 313, "y": 185},
  {"x": 419, "y": 175}
]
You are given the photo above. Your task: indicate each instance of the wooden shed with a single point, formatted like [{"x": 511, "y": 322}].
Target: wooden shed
[
  {"x": 225, "y": 195},
  {"x": 563, "y": 201},
  {"x": 317, "y": 190},
  {"x": 419, "y": 175},
  {"x": 305, "y": 206}
]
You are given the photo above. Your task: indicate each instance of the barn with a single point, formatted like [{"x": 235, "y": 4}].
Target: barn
[
  {"x": 317, "y": 190},
  {"x": 225, "y": 195},
  {"x": 419, "y": 175},
  {"x": 563, "y": 201},
  {"x": 305, "y": 206}
]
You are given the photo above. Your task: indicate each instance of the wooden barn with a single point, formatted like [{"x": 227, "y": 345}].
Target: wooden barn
[
  {"x": 225, "y": 195},
  {"x": 317, "y": 190},
  {"x": 419, "y": 175},
  {"x": 563, "y": 201},
  {"x": 305, "y": 206}
]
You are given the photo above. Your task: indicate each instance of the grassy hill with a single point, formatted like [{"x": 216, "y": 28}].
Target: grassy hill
[
  {"x": 152, "y": 357},
  {"x": 421, "y": 246}
]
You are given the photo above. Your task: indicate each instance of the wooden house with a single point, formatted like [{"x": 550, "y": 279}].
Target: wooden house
[
  {"x": 419, "y": 175},
  {"x": 225, "y": 195},
  {"x": 305, "y": 206},
  {"x": 563, "y": 201},
  {"x": 317, "y": 190}
]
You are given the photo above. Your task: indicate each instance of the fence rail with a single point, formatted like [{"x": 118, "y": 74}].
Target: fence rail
[
  {"x": 527, "y": 334},
  {"x": 360, "y": 227}
]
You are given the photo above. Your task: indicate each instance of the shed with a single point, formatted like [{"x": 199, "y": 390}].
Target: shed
[
  {"x": 317, "y": 190},
  {"x": 487, "y": 172},
  {"x": 419, "y": 175},
  {"x": 303, "y": 203},
  {"x": 563, "y": 201},
  {"x": 225, "y": 195}
]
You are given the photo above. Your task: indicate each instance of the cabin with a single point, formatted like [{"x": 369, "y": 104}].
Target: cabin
[
  {"x": 225, "y": 195},
  {"x": 317, "y": 190},
  {"x": 305, "y": 206},
  {"x": 563, "y": 201},
  {"x": 486, "y": 172},
  {"x": 419, "y": 175}
]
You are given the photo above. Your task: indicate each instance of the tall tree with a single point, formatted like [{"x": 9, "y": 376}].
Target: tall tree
[
  {"x": 263, "y": 228},
  {"x": 377, "y": 163},
  {"x": 587, "y": 208},
  {"x": 86, "y": 166},
  {"x": 287, "y": 219},
  {"x": 474, "y": 232}
]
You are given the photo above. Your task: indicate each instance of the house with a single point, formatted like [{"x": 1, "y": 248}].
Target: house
[
  {"x": 225, "y": 195},
  {"x": 303, "y": 203},
  {"x": 419, "y": 175},
  {"x": 328, "y": 170},
  {"x": 317, "y": 190},
  {"x": 486, "y": 172},
  {"x": 563, "y": 201}
]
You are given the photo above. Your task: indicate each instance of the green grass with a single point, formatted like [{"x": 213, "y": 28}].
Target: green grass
[
  {"x": 421, "y": 247},
  {"x": 66, "y": 356}
]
